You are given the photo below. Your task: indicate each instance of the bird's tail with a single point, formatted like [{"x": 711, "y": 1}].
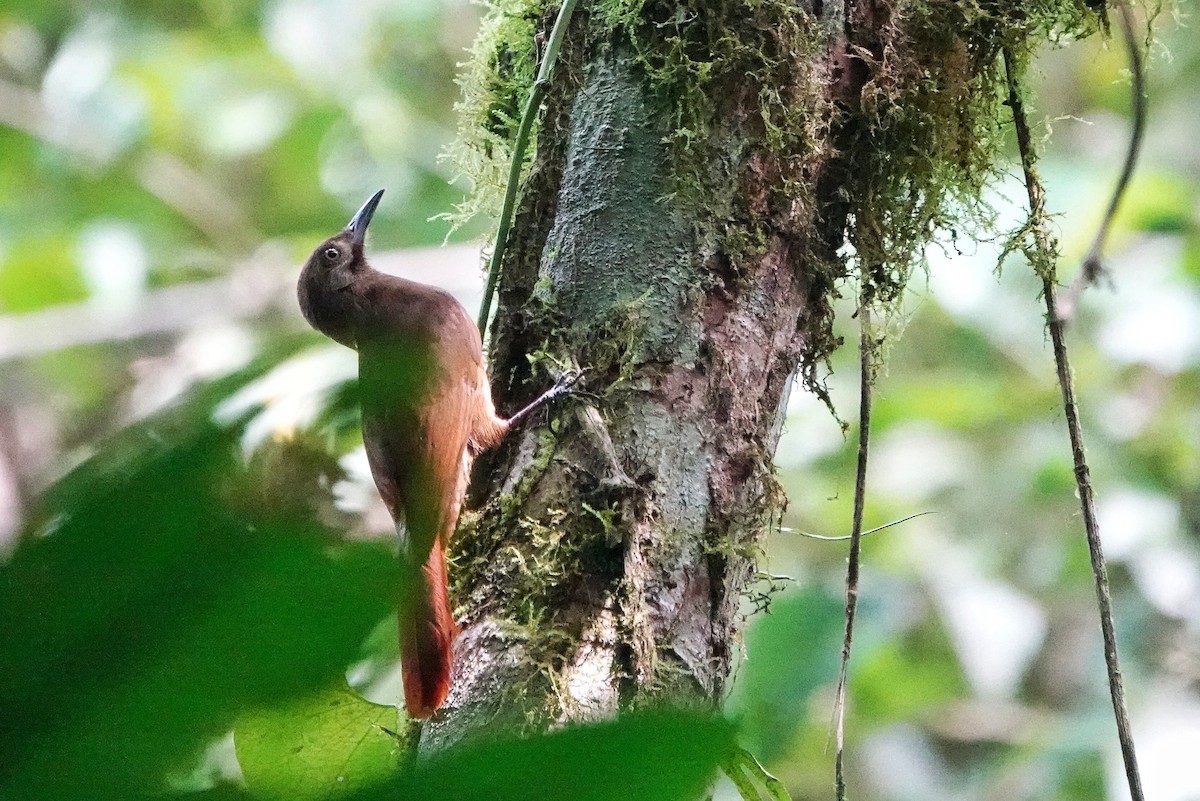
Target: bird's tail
[{"x": 426, "y": 634}]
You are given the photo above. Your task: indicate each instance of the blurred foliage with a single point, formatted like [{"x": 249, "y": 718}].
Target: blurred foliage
[
  {"x": 192, "y": 541},
  {"x": 330, "y": 744},
  {"x": 650, "y": 756},
  {"x": 158, "y": 602}
]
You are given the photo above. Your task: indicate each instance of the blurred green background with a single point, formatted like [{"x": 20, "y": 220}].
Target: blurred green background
[{"x": 192, "y": 542}]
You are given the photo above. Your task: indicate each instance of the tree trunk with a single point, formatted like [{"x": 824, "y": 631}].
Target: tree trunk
[
  {"x": 607, "y": 565},
  {"x": 679, "y": 236}
]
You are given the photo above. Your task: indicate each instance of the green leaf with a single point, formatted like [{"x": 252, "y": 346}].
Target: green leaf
[
  {"x": 645, "y": 756},
  {"x": 326, "y": 745}
]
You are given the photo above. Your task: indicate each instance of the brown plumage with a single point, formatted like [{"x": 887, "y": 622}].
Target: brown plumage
[{"x": 426, "y": 412}]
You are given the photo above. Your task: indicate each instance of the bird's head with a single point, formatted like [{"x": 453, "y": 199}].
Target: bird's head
[
  {"x": 335, "y": 261},
  {"x": 332, "y": 268}
]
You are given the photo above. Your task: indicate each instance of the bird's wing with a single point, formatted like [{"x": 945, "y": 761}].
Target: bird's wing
[
  {"x": 445, "y": 456},
  {"x": 420, "y": 399}
]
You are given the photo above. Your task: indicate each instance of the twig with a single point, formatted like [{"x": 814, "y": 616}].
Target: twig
[
  {"x": 860, "y": 493},
  {"x": 824, "y": 538},
  {"x": 1046, "y": 270},
  {"x": 1092, "y": 267},
  {"x": 532, "y": 104}
]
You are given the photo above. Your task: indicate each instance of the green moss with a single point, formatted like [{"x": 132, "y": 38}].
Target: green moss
[
  {"x": 670, "y": 681},
  {"x": 525, "y": 562},
  {"x": 541, "y": 696},
  {"x": 697, "y": 51},
  {"x": 616, "y": 349},
  {"x": 527, "y": 566},
  {"x": 608, "y": 518},
  {"x": 483, "y": 532},
  {"x": 494, "y": 84},
  {"x": 917, "y": 145}
]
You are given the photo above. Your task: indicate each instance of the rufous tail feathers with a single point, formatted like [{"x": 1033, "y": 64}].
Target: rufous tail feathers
[{"x": 427, "y": 633}]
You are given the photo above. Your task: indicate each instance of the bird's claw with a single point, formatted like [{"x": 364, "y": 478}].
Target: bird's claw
[{"x": 568, "y": 380}]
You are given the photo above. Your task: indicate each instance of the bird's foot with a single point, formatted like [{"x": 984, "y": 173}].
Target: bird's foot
[
  {"x": 564, "y": 385},
  {"x": 566, "y": 382}
]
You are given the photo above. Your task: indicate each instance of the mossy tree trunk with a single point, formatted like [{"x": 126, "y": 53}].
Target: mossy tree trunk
[{"x": 699, "y": 167}]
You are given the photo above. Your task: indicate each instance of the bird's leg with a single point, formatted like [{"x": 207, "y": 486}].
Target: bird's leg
[{"x": 561, "y": 387}]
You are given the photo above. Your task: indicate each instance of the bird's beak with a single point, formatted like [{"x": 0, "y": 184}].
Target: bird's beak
[{"x": 357, "y": 227}]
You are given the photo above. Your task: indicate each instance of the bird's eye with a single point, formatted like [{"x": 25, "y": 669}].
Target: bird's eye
[{"x": 331, "y": 254}]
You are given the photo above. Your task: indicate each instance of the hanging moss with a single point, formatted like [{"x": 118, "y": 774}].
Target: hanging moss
[
  {"x": 494, "y": 82},
  {"x": 695, "y": 53},
  {"x": 917, "y": 141}
]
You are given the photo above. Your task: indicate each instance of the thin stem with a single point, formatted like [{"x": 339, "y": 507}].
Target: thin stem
[
  {"x": 1083, "y": 480},
  {"x": 532, "y": 104},
  {"x": 1092, "y": 266},
  {"x": 824, "y": 538},
  {"x": 866, "y": 378}
]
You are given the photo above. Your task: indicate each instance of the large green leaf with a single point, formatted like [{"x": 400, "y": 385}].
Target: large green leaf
[
  {"x": 326, "y": 745},
  {"x": 332, "y": 743}
]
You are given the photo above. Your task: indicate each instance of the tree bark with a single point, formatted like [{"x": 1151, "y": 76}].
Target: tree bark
[
  {"x": 611, "y": 544},
  {"x": 607, "y": 564}
]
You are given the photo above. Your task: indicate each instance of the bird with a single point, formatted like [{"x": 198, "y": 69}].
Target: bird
[{"x": 427, "y": 412}]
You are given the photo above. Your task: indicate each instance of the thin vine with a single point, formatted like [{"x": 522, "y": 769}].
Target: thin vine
[
  {"x": 532, "y": 104},
  {"x": 824, "y": 538},
  {"x": 1092, "y": 267},
  {"x": 867, "y": 378},
  {"x": 1044, "y": 256}
]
